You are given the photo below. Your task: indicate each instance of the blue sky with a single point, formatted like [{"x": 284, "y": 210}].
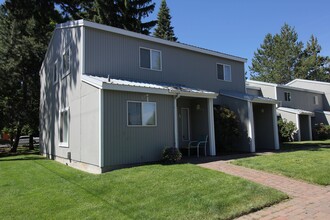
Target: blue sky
[{"x": 238, "y": 27}]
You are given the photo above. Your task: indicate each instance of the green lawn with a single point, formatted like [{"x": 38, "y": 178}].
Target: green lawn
[
  {"x": 311, "y": 164},
  {"x": 36, "y": 188}
]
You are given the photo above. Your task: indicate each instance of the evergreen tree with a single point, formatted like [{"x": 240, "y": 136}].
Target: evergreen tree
[
  {"x": 164, "y": 29},
  {"x": 25, "y": 30},
  {"x": 277, "y": 57},
  {"x": 312, "y": 65}
]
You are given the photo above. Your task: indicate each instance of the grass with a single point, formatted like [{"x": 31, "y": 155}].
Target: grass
[
  {"x": 305, "y": 161},
  {"x": 36, "y": 188}
]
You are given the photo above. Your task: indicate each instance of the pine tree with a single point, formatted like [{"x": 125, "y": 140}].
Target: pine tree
[
  {"x": 164, "y": 29},
  {"x": 25, "y": 30},
  {"x": 277, "y": 57},
  {"x": 312, "y": 65}
]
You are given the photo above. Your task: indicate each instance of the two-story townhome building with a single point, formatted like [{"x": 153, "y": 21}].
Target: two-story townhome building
[
  {"x": 298, "y": 105},
  {"x": 111, "y": 97},
  {"x": 322, "y": 115}
]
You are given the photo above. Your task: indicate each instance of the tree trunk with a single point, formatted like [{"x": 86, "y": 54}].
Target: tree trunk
[
  {"x": 31, "y": 147},
  {"x": 16, "y": 142}
]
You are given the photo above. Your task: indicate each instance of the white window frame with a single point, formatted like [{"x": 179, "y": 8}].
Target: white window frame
[
  {"x": 287, "y": 96},
  {"x": 55, "y": 81},
  {"x": 142, "y": 104},
  {"x": 224, "y": 75},
  {"x": 64, "y": 74},
  {"x": 316, "y": 100},
  {"x": 64, "y": 144},
  {"x": 150, "y": 52}
]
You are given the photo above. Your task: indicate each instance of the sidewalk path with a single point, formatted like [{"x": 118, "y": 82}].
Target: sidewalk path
[{"x": 307, "y": 201}]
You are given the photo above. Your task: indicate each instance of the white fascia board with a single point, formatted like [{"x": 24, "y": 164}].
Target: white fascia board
[
  {"x": 98, "y": 84},
  {"x": 295, "y": 111},
  {"x": 307, "y": 81},
  {"x": 125, "y": 88},
  {"x": 260, "y": 83},
  {"x": 195, "y": 95},
  {"x": 273, "y": 102},
  {"x": 148, "y": 38}
]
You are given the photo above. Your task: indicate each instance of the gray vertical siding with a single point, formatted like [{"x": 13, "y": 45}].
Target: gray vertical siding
[
  {"x": 118, "y": 56},
  {"x": 323, "y": 87},
  {"x": 127, "y": 145},
  {"x": 68, "y": 92},
  {"x": 300, "y": 99}
]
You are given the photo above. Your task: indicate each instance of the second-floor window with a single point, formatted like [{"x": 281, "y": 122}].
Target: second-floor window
[
  {"x": 224, "y": 72},
  {"x": 66, "y": 59},
  {"x": 287, "y": 96},
  {"x": 150, "y": 59},
  {"x": 316, "y": 100}
]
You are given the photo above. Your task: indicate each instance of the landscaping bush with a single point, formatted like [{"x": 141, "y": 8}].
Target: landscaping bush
[
  {"x": 227, "y": 128},
  {"x": 322, "y": 131},
  {"x": 171, "y": 155},
  {"x": 286, "y": 130}
]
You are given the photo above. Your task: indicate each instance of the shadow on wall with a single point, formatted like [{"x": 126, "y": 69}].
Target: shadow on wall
[{"x": 54, "y": 96}]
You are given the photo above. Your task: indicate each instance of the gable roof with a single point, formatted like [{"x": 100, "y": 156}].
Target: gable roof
[
  {"x": 145, "y": 87},
  {"x": 248, "y": 97},
  {"x": 89, "y": 24},
  {"x": 281, "y": 86},
  {"x": 308, "y": 81}
]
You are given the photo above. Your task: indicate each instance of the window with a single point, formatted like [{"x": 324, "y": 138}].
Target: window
[
  {"x": 64, "y": 127},
  {"x": 150, "y": 59},
  {"x": 66, "y": 62},
  {"x": 55, "y": 72},
  {"x": 316, "y": 100},
  {"x": 224, "y": 72},
  {"x": 287, "y": 96},
  {"x": 141, "y": 113}
]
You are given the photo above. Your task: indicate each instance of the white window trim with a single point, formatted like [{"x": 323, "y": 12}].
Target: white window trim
[
  {"x": 288, "y": 96},
  {"x": 316, "y": 100},
  {"x": 63, "y": 144},
  {"x": 150, "y": 52},
  {"x": 128, "y": 125},
  {"x": 64, "y": 74},
  {"x": 216, "y": 71},
  {"x": 57, "y": 70}
]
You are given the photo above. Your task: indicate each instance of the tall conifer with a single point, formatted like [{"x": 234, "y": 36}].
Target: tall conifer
[{"x": 164, "y": 29}]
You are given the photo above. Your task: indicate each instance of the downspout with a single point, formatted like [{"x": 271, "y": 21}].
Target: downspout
[{"x": 176, "y": 135}]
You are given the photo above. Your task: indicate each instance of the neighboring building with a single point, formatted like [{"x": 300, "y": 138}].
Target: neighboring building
[
  {"x": 323, "y": 115},
  {"x": 299, "y": 105},
  {"x": 111, "y": 97}
]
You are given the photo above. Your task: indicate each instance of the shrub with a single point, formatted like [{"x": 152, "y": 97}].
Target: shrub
[
  {"x": 322, "y": 131},
  {"x": 286, "y": 130},
  {"x": 227, "y": 127},
  {"x": 171, "y": 155}
]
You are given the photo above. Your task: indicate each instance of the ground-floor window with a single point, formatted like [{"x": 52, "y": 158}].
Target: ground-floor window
[
  {"x": 141, "y": 113},
  {"x": 64, "y": 127}
]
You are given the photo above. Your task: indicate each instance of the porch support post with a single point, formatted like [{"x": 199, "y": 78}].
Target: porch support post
[
  {"x": 298, "y": 127},
  {"x": 275, "y": 128},
  {"x": 310, "y": 127},
  {"x": 211, "y": 127},
  {"x": 251, "y": 128},
  {"x": 176, "y": 135}
]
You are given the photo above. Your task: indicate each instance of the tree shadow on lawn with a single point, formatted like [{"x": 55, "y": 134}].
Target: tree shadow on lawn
[{"x": 23, "y": 153}]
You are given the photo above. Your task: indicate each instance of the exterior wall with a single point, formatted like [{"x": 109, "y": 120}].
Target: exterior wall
[
  {"x": 118, "y": 56},
  {"x": 300, "y": 99},
  {"x": 289, "y": 117},
  {"x": 321, "y": 117},
  {"x": 323, "y": 87},
  {"x": 66, "y": 93},
  {"x": 241, "y": 109},
  {"x": 255, "y": 92},
  {"x": 129, "y": 145},
  {"x": 266, "y": 90},
  {"x": 198, "y": 118},
  {"x": 263, "y": 126}
]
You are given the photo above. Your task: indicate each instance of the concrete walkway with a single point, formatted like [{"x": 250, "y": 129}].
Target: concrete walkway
[{"x": 307, "y": 201}]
